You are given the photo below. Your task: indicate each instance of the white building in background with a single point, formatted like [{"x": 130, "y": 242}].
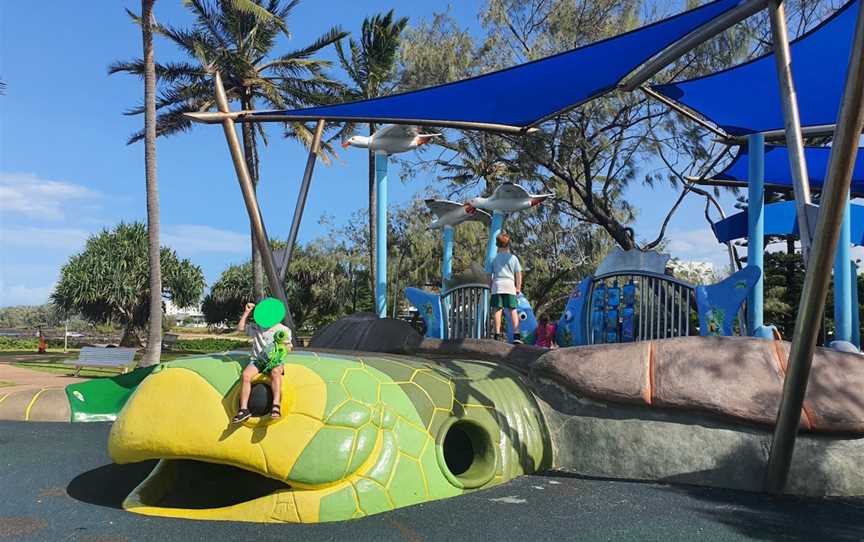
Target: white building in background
[{"x": 186, "y": 316}]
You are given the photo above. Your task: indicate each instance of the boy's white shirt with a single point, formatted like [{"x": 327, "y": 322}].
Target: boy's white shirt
[
  {"x": 505, "y": 284},
  {"x": 262, "y": 340}
]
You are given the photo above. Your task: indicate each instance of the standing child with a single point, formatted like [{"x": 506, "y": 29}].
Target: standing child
[
  {"x": 506, "y": 284},
  {"x": 266, "y": 353},
  {"x": 546, "y": 333}
]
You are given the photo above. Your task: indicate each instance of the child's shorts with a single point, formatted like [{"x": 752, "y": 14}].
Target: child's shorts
[
  {"x": 264, "y": 366},
  {"x": 504, "y": 301}
]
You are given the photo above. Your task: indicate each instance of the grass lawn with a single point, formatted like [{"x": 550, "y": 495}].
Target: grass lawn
[{"x": 55, "y": 365}]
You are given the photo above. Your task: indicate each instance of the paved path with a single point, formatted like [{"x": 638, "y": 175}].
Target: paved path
[
  {"x": 58, "y": 484},
  {"x": 26, "y": 379}
]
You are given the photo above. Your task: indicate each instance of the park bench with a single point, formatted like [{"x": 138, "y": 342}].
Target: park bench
[
  {"x": 93, "y": 356},
  {"x": 169, "y": 340}
]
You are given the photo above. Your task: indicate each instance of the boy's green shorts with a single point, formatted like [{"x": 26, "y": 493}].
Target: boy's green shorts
[{"x": 503, "y": 301}]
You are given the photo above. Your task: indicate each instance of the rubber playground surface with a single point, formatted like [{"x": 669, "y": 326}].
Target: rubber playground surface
[{"x": 59, "y": 484}]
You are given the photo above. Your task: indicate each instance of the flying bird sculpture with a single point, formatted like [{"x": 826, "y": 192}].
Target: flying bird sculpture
[
  {"x": 451, "y": 213},
  {"x": 508, "y": 198},
  {"x": 391, "y": 139}
]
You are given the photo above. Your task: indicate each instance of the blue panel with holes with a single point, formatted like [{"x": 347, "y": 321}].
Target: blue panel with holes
[{"x": 571, "y": 326}]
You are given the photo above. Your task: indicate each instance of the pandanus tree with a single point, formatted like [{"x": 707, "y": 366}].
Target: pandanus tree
[
  {"x": 370, "y": 65},
  {"x": 237, "y": 38},
  {"x": 109, "y": 280}
]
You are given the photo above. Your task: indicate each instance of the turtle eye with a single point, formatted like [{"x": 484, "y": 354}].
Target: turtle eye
[{"x": 568, "y": 316}]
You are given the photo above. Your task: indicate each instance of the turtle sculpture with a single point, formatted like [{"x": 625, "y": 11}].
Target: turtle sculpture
[{"x": 358, "y": 436}]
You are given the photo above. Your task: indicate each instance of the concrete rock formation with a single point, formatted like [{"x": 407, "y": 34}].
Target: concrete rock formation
[{"x": 737, "y": 378}]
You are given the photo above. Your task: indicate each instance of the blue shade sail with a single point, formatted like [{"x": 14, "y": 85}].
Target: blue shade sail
[
  {"x": 780, "y": 219},
  {"x": 746, "y": 98},
  {"x": 526, "y": 94},
  {"x": 778, "y": 174}
]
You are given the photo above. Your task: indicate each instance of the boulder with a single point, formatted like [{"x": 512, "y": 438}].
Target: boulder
[{"x": 367, "y": 333}]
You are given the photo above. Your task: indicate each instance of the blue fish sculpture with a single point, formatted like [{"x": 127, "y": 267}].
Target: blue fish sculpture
[
  {"x": 527, "y": 321},
  {"x": 571, "y": 326}
]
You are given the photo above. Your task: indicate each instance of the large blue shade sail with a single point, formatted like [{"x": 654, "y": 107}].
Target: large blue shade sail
[
  {"x": 746, "y": 98},
  {"x": 777, "y": 172},
  {"x": 523, "y": 95},
  {"x": 780, "y": 219}
]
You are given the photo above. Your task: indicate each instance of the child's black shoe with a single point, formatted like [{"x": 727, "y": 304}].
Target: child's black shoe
[{"x": 242, "y": 415}]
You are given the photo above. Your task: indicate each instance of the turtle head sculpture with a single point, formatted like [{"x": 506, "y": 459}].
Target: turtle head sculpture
[{"x": 357, "y": 436}]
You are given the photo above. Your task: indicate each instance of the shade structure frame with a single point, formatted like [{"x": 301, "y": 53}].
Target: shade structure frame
[{"x": 761, "y": 114}]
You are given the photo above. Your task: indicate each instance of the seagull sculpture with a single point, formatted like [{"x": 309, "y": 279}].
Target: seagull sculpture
[
  {"x": 391, "y": 139},
  {"x": 508, "y": 198},
  {"x": 450, "y": 213}
]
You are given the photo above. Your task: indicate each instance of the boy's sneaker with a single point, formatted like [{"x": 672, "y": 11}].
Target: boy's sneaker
[
  {"x": 242, "y": 415},
  {"x": 517, "y": 338},
  {"x": 497, "y": 337}
]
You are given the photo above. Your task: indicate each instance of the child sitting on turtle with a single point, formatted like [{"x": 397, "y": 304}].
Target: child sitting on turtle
[{"x": 270, "y": 342}]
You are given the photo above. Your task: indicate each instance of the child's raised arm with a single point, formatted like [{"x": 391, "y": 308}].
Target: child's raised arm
[{"x": 241, "y": 325}]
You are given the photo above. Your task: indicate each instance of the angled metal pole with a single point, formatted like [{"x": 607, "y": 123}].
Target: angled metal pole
[
  {"x": 685, "y": 112},
  {"x": 792, "y": 122},
  {"x": 844, "y": 149},
  {"x": 691, "y": 41},
  {"x": 301, "y": 199},
  {"x": 251, "y": 200}
]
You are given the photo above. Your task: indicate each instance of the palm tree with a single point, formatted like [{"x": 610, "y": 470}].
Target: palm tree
[
  {"x": 154, "y": 331},
  {"x": 237, "y": 38},
  {"x": 371, "y": 68}
]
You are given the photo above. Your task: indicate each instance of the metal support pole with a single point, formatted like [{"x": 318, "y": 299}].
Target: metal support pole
[
  {"x": 835, "y": 191},
  {"x": 381, "y": 235},
  {"x": 756, "y": 234},
  {"x": 691, "y": 41},
  {"x": 843, "y": 281},
  {"x": 491, "y": 248},
  {"x": 251, "y": 200},
  {"x": 856, "y": 308},
  {"x": 447, "y": 261},
  {"x": 792, "y": 122},
  {"x": 301, "y": 198}
]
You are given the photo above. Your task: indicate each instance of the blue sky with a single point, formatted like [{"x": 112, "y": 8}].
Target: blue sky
[{"x": 66, "y": 171}]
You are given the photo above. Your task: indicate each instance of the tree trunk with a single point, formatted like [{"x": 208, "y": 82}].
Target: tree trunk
[
  {"x": 373, "y": 207},
  {"x": 154, "y": 330},
  {"x": 130, "y": 339},
  {"x": 252, "y": 165}
]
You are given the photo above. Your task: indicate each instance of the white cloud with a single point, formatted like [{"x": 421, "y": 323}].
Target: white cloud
[
  {"x": 33, "y": 196},
  {"x": 66, "y": 239},
  {"x": 698, "y": 245},
  {"x": 188, "y": 239},
  {"x": 16, "y": 294}
]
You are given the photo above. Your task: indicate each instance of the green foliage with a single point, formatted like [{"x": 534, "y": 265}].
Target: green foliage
[
  {"x": 320, "y": 285},
  {"x": 109, "y": 280},
  {"x": 210, "y": 345},
  {"x": 370, "y": 63},
  {"x": 29, "y": 316},
  {"x": 784, "y": 280},
  {"x": 28, "y": 344},
  {"x": 237, "y": 38}
]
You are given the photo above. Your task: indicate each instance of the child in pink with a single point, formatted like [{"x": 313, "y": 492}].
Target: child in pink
[{"x": 546, "y": 333}]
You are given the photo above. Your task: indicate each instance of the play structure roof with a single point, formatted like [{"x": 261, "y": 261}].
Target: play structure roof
[
  {"x": 778, "y": 176},
  {"x": 746, "y": 98},
  {"x": 780, "y": 219},
  {"x": 521, "y": 96}
]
